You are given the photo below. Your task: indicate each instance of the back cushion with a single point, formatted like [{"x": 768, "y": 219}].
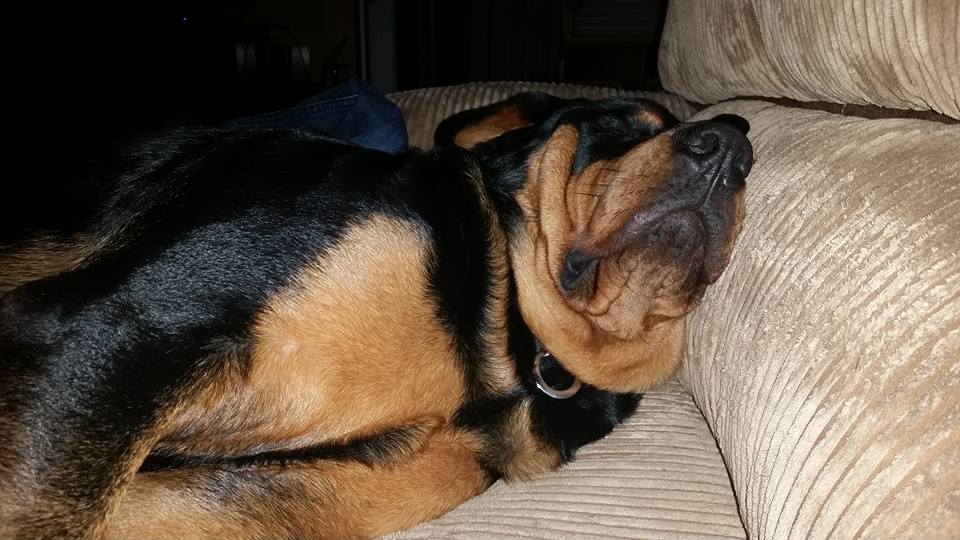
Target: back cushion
[{"x": 902, "y": 54}]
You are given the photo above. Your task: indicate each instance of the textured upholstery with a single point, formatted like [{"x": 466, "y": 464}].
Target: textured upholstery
[
  {"x": 425, "y": 108},
  {"x": 902, "y": 54},
  {"x": 658, "y": 476},
  {"x": 827, "y": 358}
]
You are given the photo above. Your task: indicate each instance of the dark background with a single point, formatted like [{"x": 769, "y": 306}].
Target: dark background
[{"x": 77, "y": 74}]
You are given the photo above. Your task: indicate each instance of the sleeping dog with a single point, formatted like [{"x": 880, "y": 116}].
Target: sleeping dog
[{"x": 273, "y": 334}]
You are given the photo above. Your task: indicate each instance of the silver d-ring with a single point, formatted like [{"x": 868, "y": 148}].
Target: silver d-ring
[{"x": 566, "y": 393}]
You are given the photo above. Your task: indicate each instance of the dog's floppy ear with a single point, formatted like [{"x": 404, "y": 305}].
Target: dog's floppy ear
[{"x": 469, "y": 128}]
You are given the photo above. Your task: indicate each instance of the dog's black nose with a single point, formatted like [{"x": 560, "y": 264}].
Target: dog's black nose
[{"x": 720, "y": 143}]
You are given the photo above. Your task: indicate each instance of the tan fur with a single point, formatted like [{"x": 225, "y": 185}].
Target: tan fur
[
  {"x": 353, "y": 347},
  {"x": 506, "y": 118},
  {"x": 602, "y": 198},
  {"x": 628, "y": 336},
  {"x": 43, "y": 256},
  {"x": 648, "y": 116},
  {"x": 528, "y": 456},
  {"x": 499, "y": 373},
  {"x": 325, "y": 499}
]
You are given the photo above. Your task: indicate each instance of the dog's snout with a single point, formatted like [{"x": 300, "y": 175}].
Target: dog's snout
[{"x": 720, "y": 144}]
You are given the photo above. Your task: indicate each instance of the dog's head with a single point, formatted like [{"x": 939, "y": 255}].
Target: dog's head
[{"x": 618, "y": 217}]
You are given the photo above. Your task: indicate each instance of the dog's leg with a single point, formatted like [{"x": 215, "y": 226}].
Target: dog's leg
[
  {"x": 84, "y": 386},
  {"x": 320, "y": 499}
]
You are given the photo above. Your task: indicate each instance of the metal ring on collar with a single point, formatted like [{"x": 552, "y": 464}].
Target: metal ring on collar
[{"x": 565, "y": 393}]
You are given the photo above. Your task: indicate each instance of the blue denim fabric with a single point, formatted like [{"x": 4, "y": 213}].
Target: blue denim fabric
[{"x": 350, "y": 111}]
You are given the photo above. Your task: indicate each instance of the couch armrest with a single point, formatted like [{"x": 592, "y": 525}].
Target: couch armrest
[
  {"x": 827, "y": 358},
  {"x": 425, "y": 108}
]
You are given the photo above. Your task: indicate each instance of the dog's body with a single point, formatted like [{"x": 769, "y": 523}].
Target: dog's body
[{"x": 274, "y": 334}]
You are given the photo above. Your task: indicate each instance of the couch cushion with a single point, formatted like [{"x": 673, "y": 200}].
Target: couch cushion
[
  {"x": 827, "y": 357},
  {"x": 660, "y": 475},
  {"x": 902, "y": 54},
  {"x": 424, "y": 109}
]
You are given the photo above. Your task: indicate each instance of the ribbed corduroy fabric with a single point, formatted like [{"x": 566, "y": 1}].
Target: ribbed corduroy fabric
[
  {"x": 424, "y": 109},
  {"x": 658, "y": 476},
  {"x": 827, "y": 357},
  {"x": 902, "y": 54}
]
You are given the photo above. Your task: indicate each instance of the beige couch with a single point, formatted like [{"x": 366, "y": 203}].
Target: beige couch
[{"x": 820, "y": 395}]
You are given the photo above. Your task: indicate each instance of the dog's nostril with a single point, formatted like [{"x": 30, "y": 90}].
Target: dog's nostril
[
  {"x": 702, "y": 142},
  {"x": 740, "y": 167},
  {"x": 743, "y": 163}
]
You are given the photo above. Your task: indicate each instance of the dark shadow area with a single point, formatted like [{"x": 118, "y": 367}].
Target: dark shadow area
[
  {"x": 599, "y": 42},
  {"x": 80, "y": 75}
]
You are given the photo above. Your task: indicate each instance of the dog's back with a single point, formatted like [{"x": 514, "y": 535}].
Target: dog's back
[{"x": 148, "y": 187}]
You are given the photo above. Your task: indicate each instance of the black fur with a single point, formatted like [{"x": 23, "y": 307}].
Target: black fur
[
  {"x": 536, "y": 108},
  {"x": 201, "y": 227}
]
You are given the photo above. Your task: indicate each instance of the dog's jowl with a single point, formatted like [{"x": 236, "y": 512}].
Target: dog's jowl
[{"x": 274, "y": 334}]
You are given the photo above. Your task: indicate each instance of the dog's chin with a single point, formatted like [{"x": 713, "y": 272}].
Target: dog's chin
[
  {"x": 693, "y": 250},
  {"x": 658, "y": 276},
  {"x": 695, "y": 246}
]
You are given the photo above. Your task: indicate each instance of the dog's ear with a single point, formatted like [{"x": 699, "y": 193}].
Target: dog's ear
[{"x": 469, "y": 128}]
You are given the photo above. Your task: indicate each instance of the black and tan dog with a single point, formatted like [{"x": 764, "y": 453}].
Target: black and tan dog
[{"x": 278, "y": 335}]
